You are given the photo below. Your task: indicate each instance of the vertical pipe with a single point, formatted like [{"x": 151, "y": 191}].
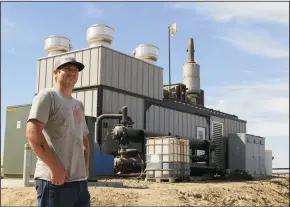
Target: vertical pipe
[
  {"x": 169, "y": 64},
  {"x": 26, "y": 164}
]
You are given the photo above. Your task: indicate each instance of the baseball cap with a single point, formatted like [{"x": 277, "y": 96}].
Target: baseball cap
[{"x": 68, "y": 60}]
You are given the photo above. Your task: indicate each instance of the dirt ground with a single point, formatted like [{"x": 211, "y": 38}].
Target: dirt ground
[{"x": 270, "y": 192}]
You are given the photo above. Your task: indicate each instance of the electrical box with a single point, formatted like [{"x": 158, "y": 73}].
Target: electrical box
[
  {"x": 15, "y": 139},
  {"x": 246, "y": 152}
]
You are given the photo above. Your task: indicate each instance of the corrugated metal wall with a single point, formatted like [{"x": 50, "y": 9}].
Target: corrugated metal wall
[
  {"x": 112, "y": 103},
  {"x": 108, "y": 67},
  {"x": 164, "y": 120},
  {"x": 89, "y": 100},
  {"x": 130, "y": 74},
  {"x": 89, "y": 76}
]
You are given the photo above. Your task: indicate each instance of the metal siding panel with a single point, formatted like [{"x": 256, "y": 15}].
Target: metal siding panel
[
  {"x": 79, "y": 57},
  {"x": 238, "y": 127},
  {"x": 37, "y": 76},
  {"x": 189, "y": 125},
  {"x": 193, "y": 125},
  {"x": 232, "y": 126},
  {"x": 196, "y": 125},
  {"x": 107, "y": 102},
  {"x": 171, "y": 121},
  {"x": 122, "y": 71},
  {"x": 147, "y": 120},
  {"x": 86, "y": 71},
  {"x": 176, "y": 124},
  {"x": 184, "y": 123},
  {"x": 162, "y": 119},
  {"x": 166, "y": 120},
  {"x": 235, "y": 126},
  {"x": 150, "y": 81},
  {"x": 156, "y": 86},
  {"x": 102, "y": 66},
  {"x": 146, "y": 81},
  {"x": 128, "y": 74},
  {"x": 89, "y": 103},
  {"x": 140, "y": 78},
  {"x": 156, "y": 119},
  {"x": 134, "y": 109},
  {"x": 262, "y": 158},
  {"x": 42, "y": 74},
  {"x": 121, "y": 99},
  {"x": 180, "y": 123},
  {"x": 81, "y": 97},
  {"x": 226, "y": 127},
  {"x": 115, "y": 70},
  {"x": 160, "y": 88},
  {"x": 108, "y": 70},
  {"x": 134, "y": 76},
  {"x": 115, "y": 106},
  {"x": 128, "y": 104},
  {"x": 49, "y": 73},
  {"x": 95, "y": 103},
  {"x": 94, "y": 69},
  {"x": 115, "y": 103},
  {"x": 151, "y": 118},
  {"x": 140, "y": 115}
]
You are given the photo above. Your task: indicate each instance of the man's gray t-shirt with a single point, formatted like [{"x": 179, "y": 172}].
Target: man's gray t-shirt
[{"x": 65, "y": 127}]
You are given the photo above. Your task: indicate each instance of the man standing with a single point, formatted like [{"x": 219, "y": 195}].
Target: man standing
[{"x": 57, "y": 133}]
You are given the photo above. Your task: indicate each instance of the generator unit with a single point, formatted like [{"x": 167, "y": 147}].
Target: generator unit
[{"x": 111, "y": 80}]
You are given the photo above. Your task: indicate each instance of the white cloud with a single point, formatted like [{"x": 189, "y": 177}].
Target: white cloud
[
  {"x": 93, "y": 11},
  {"x": 276, "y": 12},
  {"x": 256, "y": 42},
  {"x": 264, "y": 105}
]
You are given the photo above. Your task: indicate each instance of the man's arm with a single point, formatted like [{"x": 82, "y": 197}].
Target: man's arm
[
  {"x": 41, "y": 109},
  {"x": 39, "y": 145},
  {"x": 86, "y": 153}
]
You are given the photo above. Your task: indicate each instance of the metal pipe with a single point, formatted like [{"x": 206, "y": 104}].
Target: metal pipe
[
  {"x": 190, "y": 51},
  {"x": 169, "y": 64},
  {"x": 199, "y": 144},
  {"x": 99, "y": 121},
  {"x": 26, "y": 164},
  {"x": 122, "y": 117},
  {"x": 124, "y": 111}
]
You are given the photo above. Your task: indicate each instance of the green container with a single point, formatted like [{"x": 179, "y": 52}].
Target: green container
[{"x": 15, "y": 139}]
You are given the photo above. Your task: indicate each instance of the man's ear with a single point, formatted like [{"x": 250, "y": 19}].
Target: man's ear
[{"x": 54, "y": 74}]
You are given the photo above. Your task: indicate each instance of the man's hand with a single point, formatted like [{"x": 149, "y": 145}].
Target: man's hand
[
  {"x": 86, "y": 148},
  {"x": 59, "y": 176}
]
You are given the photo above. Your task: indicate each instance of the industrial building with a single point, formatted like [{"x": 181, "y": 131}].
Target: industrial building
[{"x": 112, "y": 79}]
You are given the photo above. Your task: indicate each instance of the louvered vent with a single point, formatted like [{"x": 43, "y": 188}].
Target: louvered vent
[{"x": 217, "y": 136}]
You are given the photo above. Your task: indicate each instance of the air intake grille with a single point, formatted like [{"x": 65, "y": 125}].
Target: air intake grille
[{"x": 217, "y": 136}]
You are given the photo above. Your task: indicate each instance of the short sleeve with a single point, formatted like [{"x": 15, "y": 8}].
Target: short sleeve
[{"x": 41, "y": 105}]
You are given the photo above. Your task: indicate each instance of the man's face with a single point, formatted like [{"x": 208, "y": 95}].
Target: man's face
[{"x": 67, "y": 75}]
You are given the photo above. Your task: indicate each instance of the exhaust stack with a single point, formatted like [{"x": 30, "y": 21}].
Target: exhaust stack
[
  {"x": 191, "y": 76},
  {"x": 190, "y": 51}
]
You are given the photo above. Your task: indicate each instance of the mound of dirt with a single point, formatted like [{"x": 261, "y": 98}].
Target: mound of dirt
[{"x": 270, "y": 192}]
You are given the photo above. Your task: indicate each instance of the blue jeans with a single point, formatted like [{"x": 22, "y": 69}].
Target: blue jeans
[{"x": 71, "y": 194}]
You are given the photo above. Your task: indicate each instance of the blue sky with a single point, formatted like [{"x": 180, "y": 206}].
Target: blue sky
[{"x": 242, "y": 49}]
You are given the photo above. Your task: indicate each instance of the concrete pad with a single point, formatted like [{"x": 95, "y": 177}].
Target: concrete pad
[
  {"x": 106, "y": 184},
  {"x": 15, "y": 183}
]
